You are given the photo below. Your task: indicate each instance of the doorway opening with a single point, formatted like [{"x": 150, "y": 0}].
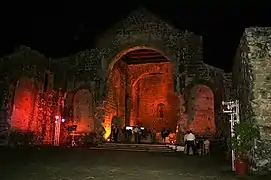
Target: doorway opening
[{"x": 141, "y": 91}]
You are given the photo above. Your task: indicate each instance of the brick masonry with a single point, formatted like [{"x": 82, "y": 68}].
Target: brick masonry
[
  {"x": 109, "y": 81},
  {"x": 252, "y": 82}
]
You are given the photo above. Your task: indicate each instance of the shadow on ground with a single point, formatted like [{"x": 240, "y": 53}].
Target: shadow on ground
[{"x": 85, "y": 164}]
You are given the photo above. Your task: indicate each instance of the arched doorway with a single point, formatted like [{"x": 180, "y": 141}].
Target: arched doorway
[
  {"x": 83, "y": 111},
  {"x": 201, "y": 110},
  {"x": 23, "y": 106},
  {"x": 146, "y": 79}
]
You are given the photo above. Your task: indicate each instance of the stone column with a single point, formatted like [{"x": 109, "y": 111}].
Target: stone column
[{"x": 252, "y": 74}]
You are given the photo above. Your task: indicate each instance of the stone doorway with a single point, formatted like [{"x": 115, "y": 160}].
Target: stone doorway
[{"x": 141, "y": 91}]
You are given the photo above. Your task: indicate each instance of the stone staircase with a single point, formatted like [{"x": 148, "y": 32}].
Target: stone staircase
[{"x": 135, "y": 147}]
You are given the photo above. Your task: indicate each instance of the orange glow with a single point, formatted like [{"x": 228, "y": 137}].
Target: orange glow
[
  {"x": 107, "y": 127},
  {"x": 83, "y": 111},
  {"x": 32, "y": 111},
  {"x": 153, "y": 100},
  {"x": 23, "y": 107}
]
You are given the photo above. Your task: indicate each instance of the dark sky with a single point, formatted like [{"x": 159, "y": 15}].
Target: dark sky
[{"x": 68, "y": 33}]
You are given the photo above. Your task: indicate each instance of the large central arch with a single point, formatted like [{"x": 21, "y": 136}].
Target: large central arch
[
  {"x": 143, "y": 30},
  {"x": 132, "y": 74}
]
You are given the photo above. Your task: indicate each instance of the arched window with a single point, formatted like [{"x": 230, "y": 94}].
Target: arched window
[{"x": 160, "y": 110}]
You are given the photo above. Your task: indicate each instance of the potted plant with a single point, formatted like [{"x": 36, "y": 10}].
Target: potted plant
[{"x": 242, "y": 143}]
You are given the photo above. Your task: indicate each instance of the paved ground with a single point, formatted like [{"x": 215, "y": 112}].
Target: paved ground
[{"x": 84, "y": 164}]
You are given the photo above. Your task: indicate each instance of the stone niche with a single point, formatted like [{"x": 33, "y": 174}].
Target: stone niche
[
  {"x": 201, "y": 110},
  {"x": 252, "y": 85}
]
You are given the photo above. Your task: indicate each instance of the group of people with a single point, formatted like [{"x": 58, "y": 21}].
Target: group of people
[
  {"x": 198, "y": 146},
  {"x": 130, "y": 135}
]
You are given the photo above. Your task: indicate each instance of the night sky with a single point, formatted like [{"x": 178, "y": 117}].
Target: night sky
[{"x": 68, "y": 33}]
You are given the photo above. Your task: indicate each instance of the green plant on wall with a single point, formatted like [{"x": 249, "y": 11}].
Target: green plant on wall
[{"x": 243, "y": 141}]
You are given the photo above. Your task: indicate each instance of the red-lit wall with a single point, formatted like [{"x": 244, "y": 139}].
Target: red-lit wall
[
  {"x": 152, "y": 84},
  {"x": 33, "y": 110},
  {"x": 24, "y": 105},
  {"x": 201, "y": 110}
]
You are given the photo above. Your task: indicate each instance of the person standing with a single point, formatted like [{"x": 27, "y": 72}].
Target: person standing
[
  {"x": 136, "y": 132},
  {"x": 163, "y": 135},
  {"x": 206, "y": 144},
  {"x": 190, "y": 139},
  {"x": 115, "y": 134}
]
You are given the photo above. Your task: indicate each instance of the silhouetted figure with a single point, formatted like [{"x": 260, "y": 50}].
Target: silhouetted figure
[
  {"x": 163, "y": 134},
  {"x": 153, "y": 136},
  {"x": 129, "y": 135},
  {"x": 115, "y": 132},
  {"x": 137, "y": 134}
]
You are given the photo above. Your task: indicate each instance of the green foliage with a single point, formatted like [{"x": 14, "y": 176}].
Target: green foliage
[{"x": 245, "y": 135}]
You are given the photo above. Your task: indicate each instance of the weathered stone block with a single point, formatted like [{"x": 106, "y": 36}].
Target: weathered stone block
[{"x": 251, "y": 76}]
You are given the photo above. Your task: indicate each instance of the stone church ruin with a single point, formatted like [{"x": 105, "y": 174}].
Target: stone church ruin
[{"x": 143, "y": 71}]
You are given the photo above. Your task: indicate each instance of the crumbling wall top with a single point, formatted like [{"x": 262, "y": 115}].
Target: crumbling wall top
[{"x": 139, "y": 21}]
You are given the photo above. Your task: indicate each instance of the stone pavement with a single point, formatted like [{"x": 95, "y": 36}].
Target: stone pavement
[{"x": 85, "y": 164}]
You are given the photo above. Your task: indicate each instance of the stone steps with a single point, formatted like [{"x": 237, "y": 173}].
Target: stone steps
[{"x": 134, "y": 147}]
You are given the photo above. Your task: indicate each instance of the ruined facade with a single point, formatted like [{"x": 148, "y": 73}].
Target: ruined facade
[
  {"x": 252, "y": 83},
  {"x": 182, "y": 92}
]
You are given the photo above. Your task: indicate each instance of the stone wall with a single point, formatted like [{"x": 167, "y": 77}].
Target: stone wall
[
  {"x": 142, "y": 29},
  {"x": 252, "y": 83},
  {"x": 23, "y": 74},
  {"x": 154, "y": 104},
  {"x": 213, "y": 78},
  {"x": 116, "y": 94}
]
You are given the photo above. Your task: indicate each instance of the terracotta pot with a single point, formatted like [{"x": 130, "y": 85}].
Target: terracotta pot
[{"x": 240, "y": 166}]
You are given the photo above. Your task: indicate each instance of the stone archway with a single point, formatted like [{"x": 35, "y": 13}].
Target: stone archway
[
  {"x": 83, "y": 115},
  {"x": 129, "y": 76},
  {"x": 134, "y": 48}
]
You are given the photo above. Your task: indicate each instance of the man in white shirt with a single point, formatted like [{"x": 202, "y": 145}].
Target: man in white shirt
[{"x": 190, "y": 140}]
